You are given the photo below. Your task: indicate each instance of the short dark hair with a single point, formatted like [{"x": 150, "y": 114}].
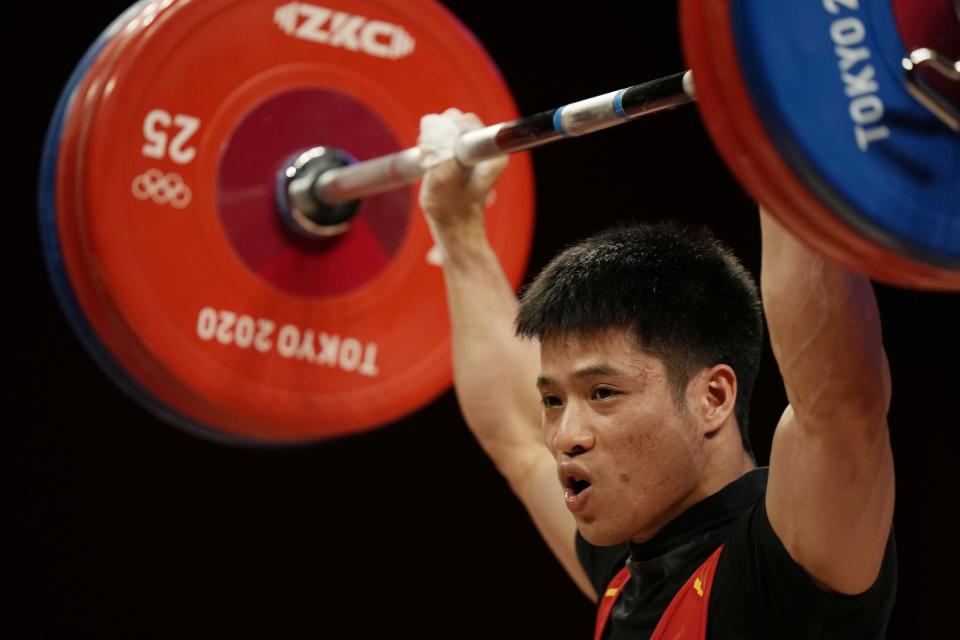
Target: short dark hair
[{"x": 685, "y": 296}]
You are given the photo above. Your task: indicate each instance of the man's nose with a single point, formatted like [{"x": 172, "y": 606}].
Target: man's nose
[{"x": 573, "y": 435}]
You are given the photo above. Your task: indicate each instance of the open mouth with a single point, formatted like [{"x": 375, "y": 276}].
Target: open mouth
[
  {"x": 575, "y": 489},
  {"x": 576, "y": 485}
]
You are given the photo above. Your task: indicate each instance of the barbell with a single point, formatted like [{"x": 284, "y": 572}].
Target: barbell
[{"x": 221, "y": 198}]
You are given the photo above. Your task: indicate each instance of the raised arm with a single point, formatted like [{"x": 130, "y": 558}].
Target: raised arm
[
  {"x": 494, "y": 372},
  {"x": 831, "y": 487}
]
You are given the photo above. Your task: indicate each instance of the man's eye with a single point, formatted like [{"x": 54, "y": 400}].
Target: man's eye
[
  {"x": 551, "y": 401},
  {"x": 602, "y": 393}
]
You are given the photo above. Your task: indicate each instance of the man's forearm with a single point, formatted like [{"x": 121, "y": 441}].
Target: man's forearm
[{"x": 494, "y": 371}]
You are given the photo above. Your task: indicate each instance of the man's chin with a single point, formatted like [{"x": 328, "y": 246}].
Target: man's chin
[{"x": 600, "y": 536}]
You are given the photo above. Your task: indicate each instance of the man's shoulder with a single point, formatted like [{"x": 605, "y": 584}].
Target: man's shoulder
[{"x": 759, "y": 588}]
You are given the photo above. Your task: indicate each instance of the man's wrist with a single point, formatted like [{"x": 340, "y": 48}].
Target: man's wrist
[{"x": 460, "y": 239}]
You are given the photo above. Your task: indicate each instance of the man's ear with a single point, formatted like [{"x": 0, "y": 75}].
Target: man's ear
[{"x": 715, "y": 397}]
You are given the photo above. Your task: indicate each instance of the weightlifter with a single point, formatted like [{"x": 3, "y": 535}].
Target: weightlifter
[{"x": 614, "y": 399}]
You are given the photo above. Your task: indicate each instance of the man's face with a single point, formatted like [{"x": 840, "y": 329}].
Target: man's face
[{"x": 627, "y": 454}]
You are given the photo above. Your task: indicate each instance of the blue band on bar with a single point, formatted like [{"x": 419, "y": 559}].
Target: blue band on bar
[
  {"x": 558, "y": 122},
  {"x": 618, "y": 104}
]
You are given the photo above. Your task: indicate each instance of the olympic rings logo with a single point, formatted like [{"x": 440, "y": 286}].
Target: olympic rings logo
[{"x": 162, "y": 189}]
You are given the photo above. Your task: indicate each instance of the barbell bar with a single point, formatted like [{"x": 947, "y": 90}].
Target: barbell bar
[{"x": 355, "y": 181}]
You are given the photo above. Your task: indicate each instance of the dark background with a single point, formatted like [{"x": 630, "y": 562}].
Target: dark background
[{"x": 125, "y": 527}]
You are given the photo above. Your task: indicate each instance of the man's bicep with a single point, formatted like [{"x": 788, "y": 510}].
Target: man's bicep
[
  {"x": 830, "y": 500},
  {"x": 541, "y": 494}
]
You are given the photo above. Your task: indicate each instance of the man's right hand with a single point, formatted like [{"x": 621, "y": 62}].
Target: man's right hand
[{"x": 452, "y": 196}]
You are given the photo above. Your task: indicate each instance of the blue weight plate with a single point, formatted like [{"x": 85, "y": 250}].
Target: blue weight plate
[{"x": 826, "y": 81}]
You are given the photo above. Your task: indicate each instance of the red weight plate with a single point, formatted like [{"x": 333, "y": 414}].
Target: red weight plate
[
  {"x": 194, "y": 285},
  {"x": 101, "y": 328},
  {"x": 742, "y": 140}
]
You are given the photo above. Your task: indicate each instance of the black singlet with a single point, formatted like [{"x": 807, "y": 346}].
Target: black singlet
[{"x": 759, "y": 592}]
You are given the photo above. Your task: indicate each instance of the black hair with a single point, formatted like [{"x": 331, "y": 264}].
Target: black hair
[{"x": 685, "y": 296}]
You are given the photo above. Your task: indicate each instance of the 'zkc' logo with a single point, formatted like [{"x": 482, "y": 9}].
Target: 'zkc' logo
[{"x": 338, "y": 29}]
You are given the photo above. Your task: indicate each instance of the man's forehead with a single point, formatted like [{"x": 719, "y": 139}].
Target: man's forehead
[
  {"x": 609, "y": 353},
  {"x": 603, "y": 340},
  {"x": 588, "y": 371}
]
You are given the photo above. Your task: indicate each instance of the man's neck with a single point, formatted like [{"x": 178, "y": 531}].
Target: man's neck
[{"x": 722, "y": 463}]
